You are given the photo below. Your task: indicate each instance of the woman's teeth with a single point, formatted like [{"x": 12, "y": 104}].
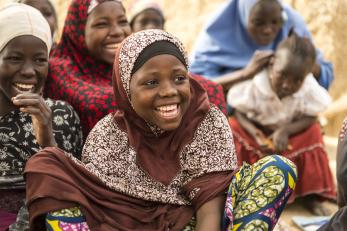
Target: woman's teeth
[
  {"x": 112, "y": 46},
  {"x": 24, "y": 87},
  {"x": 168, "y": 110}
]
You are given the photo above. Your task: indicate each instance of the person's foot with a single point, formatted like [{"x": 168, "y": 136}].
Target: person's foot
[{"x": 316, "y": 206}]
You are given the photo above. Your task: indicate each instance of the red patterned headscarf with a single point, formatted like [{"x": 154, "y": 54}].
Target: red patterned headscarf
[
  {"x": 77, "y": 77},
  {"x": 86, "y": 83}
]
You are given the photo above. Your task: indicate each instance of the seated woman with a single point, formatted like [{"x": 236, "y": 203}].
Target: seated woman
[
  {"x": 145, "y": 14},
  {"x": 240, "y": 39},
  {"x": 277, "y": 110},
  {"x": 46, "y": 7},
  {"x": 81, "y": 65},
  {"x": 162, "y": 161},
  {"x": 27, "y": 121}
]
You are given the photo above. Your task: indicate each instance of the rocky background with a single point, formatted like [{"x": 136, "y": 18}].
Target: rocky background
[{"x": 327, "y": 21}]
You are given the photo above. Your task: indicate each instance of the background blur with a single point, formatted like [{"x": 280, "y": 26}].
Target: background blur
[{"x": 327, "y": 21}]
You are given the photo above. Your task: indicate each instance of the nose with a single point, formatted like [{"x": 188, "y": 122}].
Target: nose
[
  {"x": 167, "y": 89},
  {"x": 28, "y": 69},
  {"x": 116, "y": 31},
  {"x": 286, "y": 86},
  {"x": 267, "y": 30}
]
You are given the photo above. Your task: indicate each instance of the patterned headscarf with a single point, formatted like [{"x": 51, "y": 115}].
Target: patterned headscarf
[
  {"x": 29, "y": 21},
  {"x": 75, "y": 76},
  {"x": 144, "y": 137}
]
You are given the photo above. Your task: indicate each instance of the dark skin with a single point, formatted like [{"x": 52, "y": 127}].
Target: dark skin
[
  {"x": 23, "y": 71},
  {"x": 259, "y": 60},
  {"x": 265, "y": 21},
  {"x": 209, "y": 215}
]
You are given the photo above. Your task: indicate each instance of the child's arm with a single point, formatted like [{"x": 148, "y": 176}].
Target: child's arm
[
  {"x": 281, "y": 135},
  {"x": 209, "y": 215},
  {"x": 251, "y": 129}
]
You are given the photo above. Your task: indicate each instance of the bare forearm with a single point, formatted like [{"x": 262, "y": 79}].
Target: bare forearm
[
  {"x": 227, "y": 80},
  {"x": 209, "y": 216},
  {"x": 245, "y": 123},
  {"x": 299, "y": 125}
]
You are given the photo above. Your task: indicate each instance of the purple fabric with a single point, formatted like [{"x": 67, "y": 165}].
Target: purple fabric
[{"x": 6, "y": 219}]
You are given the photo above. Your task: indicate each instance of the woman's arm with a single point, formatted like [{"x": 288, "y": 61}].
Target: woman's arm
[
  {"x": 259, "y": 60},
  {"x": 209, "y": 215}
]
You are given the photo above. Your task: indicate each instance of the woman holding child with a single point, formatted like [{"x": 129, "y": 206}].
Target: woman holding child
[{"x": 240, "y": 39}]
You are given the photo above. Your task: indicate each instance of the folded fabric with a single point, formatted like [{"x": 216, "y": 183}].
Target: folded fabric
[{"x": 310, "y": 223}]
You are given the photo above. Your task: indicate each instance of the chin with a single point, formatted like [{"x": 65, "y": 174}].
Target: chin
[{"x": 170, "y": 127}]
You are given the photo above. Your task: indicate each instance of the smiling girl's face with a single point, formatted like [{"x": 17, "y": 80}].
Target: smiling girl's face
[
  {"x": 160, "y": 91},
  {"x": 106, "y": 27},
  {"x": 23, "y": 68}
]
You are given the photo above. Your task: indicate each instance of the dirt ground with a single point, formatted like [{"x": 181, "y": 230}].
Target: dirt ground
[{"x": 296, "y": 209}]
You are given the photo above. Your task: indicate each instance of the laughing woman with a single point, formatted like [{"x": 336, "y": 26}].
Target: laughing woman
[
  {"x": 162, "y": 161},
  {"x": 27, "y": 121}
]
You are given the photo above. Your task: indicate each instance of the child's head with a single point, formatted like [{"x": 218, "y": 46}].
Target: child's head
[
  {"x": 154, "y": 75},
  {"x": 146, "y": 14},
  {"x": 24, "y": 50},
  {"x": 48, "y": 11},
  {"x": 293, "y": 60},
  {"x": 106, "y": 27},
  {"x": 263, "y": 19}
]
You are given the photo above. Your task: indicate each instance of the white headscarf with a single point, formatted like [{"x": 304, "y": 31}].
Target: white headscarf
[{"x": 17, "y": 19}]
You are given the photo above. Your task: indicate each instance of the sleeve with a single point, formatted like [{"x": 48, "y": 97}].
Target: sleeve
[
  {"x": 201, "y": 66},
  {"x": 67, "y": 129},
  {"x": 210, "y": 157},
  {"x": 316, "y": 99},
  {"x": 337, "y": 222},
  {"x": 327, "y": 72},
  {"x": 241, "y": 97}
]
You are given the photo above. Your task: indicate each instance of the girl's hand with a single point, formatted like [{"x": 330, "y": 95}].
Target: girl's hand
[
  {"x": 41, "y": 116},
  {"x": 280, "y": 139},
  {"x": 259, "y": 60},
  {"x": 264, "y": 143},
  {"x": 259, "y": 137}
]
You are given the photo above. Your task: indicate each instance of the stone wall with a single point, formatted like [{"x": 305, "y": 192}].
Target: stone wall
[{"x": 326, "y": 20}]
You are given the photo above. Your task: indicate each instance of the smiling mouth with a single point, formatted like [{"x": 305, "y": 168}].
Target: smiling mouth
[
  {"x": 24, "y": 87},
  {"x": 168, "y": 111},
  {"x": 112, "y": 47}
]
